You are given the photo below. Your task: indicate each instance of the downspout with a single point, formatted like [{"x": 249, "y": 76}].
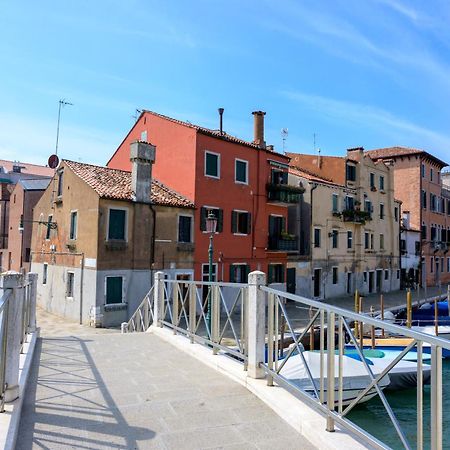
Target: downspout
[
  {"x": 152, "y": 248},
  {"x": 311, "y": 233}
]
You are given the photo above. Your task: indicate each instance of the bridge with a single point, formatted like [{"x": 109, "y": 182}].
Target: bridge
[{"x": 197, "y": 366}]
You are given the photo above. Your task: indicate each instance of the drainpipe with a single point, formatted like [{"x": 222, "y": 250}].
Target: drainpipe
[
  {"x": 153, "y": 239},
  {"x": 311, "y": 234}
]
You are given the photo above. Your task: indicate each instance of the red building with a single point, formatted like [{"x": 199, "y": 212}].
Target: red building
[{"x": 243, "y": 183}]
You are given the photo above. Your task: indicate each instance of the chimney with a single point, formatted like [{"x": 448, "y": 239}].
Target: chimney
[
  {"x": 319, "y": 159},
  {"x": 142, "y": 156},
  {"x": 258, "y": 128},
  {"x": 221, "y": 120}
]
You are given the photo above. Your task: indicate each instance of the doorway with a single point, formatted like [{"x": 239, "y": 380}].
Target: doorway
[
  {"x": 371, "y": 281},
  {"x": 290, "y": 280},
  {"x": 317, "y": 278},
  {"x": 349, "y": 282},
  {"x": 379, "y": 280}
]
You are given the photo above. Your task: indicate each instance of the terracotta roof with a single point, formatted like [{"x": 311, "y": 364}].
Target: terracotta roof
[
  {"x": 116, "y": 184},
  {"x": 27, "y": 168},
  {"x": 396, "y": 151},
  {"x": 310, "y": 175},
  {"x": 332, "y": 168},
  {"x": 214, "y": 133}
]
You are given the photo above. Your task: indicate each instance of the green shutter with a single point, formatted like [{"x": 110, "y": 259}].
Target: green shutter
[
  {"x": 233, "y": 221},
  {"x": 203, "y": 213},
  {"x": 249, "y": 223},
  {"x": 283, "y": 269},
  {"x": 270, "y": 273},
  {"x": 220, "y": 221},
  {"x": 116, "y": 224},
  {"x": 113, "y": 290},
  {"x": 232, "y": 273},
  {"x": 247, "y": 271}
]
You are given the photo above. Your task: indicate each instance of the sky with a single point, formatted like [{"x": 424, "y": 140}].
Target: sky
[{"x": 352, "y": 73}]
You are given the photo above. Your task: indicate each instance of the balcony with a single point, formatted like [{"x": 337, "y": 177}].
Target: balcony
[
  {"x": 283, "y": 243},
  {"x": 356, "y": 216},
  {"x": 283, "y": 193}
]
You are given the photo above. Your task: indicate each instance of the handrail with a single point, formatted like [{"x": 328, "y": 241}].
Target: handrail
[{"x": 142, "y": 318}]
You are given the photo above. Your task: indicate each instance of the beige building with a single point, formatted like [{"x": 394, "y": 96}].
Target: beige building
[
  {"x": 349, "y": 227},
  {"x": 101, "y": 235}
]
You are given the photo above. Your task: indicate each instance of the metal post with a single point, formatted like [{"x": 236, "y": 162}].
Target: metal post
[
  {"x": 356, "y": 311},
  {"x": 210, "y": 279},
  {"x": 341, "y": 363},
  {"x": 382, "y": 312},
  {"x": 256, "y": 324},
  {"x": 322, "y": 349},
  {"x": 192, "y": 310},
  {"x": 311, "y": 330},
  {"x": 436, "y": 398},
  {"x": 330, "y": 369},
  {"x": 419, "y": 396},
  {"x": 158, "y": 303},
  {"x": 13, "y": 333},
  {"x": 175, "y": 306},
  {"x": 436, "y": 317},
  {"x": 448, "y": 299},
  {"x": 408, "y": 308},
  {"x": 372, "y": 328},
  {"x": 270, "y": 335},
  {"x": 215, "y": 313},
  {"x": 32, "y": 279}
]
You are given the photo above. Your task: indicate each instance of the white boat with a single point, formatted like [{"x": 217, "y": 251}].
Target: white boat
[
  {"x": 443, "y": 330},
  {"x": 355, "y": 376}
]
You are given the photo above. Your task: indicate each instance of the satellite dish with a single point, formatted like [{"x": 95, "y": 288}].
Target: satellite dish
[{"x": 53, "y": 161}]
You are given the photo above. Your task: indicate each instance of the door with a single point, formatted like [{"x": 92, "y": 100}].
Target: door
[
  {"x": 379, "y": 280},
  {"x": 436, "y": 272},
  {"x": 317, "y": 279},
  {"x": 276, "y": 226},
  {"x": 349, "y": 282},
  {"x": 290, "y": 280},
  {"x": 371, "y": 280}
]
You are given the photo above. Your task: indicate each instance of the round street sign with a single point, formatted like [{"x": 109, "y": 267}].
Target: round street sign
[{"x": 53, "y": 161}]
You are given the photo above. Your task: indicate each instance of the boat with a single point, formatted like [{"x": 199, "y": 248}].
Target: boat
[
  {"x": 443, "y": 331},
  {"x": 355, "y": 376}
]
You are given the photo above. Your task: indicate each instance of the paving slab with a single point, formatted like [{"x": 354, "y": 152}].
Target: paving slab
[{"x": 96, "y": 389}]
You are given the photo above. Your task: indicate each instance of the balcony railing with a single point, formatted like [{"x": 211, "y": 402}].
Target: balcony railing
[
  {"x": 283, "y": 193},
  {"x": 356, "y": 216},
  {"x": 283, "y": 243}
]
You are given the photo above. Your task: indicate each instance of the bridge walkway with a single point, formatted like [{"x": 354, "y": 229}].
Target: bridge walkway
[{"x": 97, "y": 389}]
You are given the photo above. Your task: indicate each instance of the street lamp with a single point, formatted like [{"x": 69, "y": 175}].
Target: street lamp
[{"x": 211, "y": 225}]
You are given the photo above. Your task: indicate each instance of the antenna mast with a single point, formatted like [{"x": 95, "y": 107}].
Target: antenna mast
[
  {"x": 284, "y": 135},
  {"x": 62, "y": 103}
]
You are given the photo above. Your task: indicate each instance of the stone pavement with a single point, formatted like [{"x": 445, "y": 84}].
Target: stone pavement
[{"x": 97, "y": 389}]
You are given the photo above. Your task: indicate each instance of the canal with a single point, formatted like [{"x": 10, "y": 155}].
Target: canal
[{"x": 372, "y": 416}]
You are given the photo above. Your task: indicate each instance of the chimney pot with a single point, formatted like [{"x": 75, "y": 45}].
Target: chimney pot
[
  {"x": 142, "y": 157},
  {"x": 221, "y": 110},
  {"x": 258, "y": 128}
]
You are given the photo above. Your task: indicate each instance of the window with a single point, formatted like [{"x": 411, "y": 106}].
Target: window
[
  {"x": 350, "y": 172},
  {"x": 416, "y": 248},
  {"x": 424, "y": 199},
  {"x": 73, "y": 225},
  {"x": 442, "y": 264},
  {"x": 240, "y": 222},
  {"x": 184, "y": 229},
  {"x": 279, "y": 177},
  {"x": 205, "y": 272},
  {"x": 424, "y": 231},
  {"x": 366, "y": 240},
  {"x": 349, "y": 239},
  {"x": 241, "y": 171},
  {"x": 365, "y": 277},
  {"x": 239, "y": 273},
  {"x": 398, "y": 274},
  {"x": 275, "y": 273},
  {"x": 117, "y": 224},
  {"x": 218, "y": 213},
  {"x": 371, "y": 241},
  {"x": 212, "y": 165},
  {"x": 114, "y": 290},
  {"x": 316, "y": 237},
  {"x": 381, "y": 241},
  {"x": 372, "y": 181},
  {"x": 349, "y": 203},
  {"x": 60, "y": 183},
  {"x": 396, "y": 213},
  {"x": 367, "y": 206},
  {"x": 44, "y": 273},
  {"x": 448, "y": 264},
  {"x": 49, "y": 230},
  {"x": 335, "y": 275},
  {"x": 431, "y": 174},
  {"x": 70, "y": 284},
  {"x": 403, "y": 245},
  {"x": 386, "y": 274},
  {"x": 423, "y": 170},
  {"x": 335, "y": 205},
  {"x": 335, "y": 239},
  {"x": 431, "y": 265},
  {"x": 381, "y": 211},
  {"x": 381, "y": 183}
]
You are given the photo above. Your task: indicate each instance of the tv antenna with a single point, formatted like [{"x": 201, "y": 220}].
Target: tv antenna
[
  {"x": 137, "y": 113},
  {"x": 62, "y": 103},
  {"x": 284, "y": 136}
]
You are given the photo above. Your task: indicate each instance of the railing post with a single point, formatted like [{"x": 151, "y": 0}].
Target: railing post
[
  {"x": 158, "y": 303},
  {"x": 256, "y": 323},
  {"x": 192, "y": 311},
  {"x": 330, "y": 368},
  {"x": 32, "y": 279},
  {"x": 13, "y": 334},
  {"x": 215, "y": 317}
]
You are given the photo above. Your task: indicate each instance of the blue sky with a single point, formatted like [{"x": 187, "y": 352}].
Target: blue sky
[{"x": 371, "y": 73}]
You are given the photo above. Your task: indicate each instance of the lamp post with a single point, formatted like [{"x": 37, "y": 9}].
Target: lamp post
[{"x": 211, "y": 225}]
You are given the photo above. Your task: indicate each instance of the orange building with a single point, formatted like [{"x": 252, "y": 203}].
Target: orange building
[
  {"x": 418, "y": 184},
  {"x": 243, "y": 183}
]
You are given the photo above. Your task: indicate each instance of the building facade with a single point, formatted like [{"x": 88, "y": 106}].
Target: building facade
[
  {"x": 107, "y": 231},
  {"x": 410, "y": 252},
  {"x": 349, "y": 226},
  {"x": 418, "y": 184},
  {"x": 244, "y": 184}
]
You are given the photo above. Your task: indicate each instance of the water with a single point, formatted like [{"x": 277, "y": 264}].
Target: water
[{"x": 372, "y": 416}]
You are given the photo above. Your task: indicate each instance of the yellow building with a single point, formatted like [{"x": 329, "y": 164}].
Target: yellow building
[{"x": 349, "y": 226}]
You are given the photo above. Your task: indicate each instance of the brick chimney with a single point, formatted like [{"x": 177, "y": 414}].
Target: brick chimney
[
  {"x": 142, "y": 156},
  {"x": 258, "y": 128}
]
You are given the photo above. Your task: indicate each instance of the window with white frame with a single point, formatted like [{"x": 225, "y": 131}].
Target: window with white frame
[
  {"x": 334, "y": 238},
  {"x": 73, "y": 225},
  {"x": 114, "y": 290},
  {"x": 70, "y": 284},
  {"x": 117, "y": 224},
  {"x": 241, "y": 171},
  {"x": 240, "y": 222},
  {"x": 212, "y": 164},
  {"x": 349, "y": 240},
  {"x": 184, "y": 228}
]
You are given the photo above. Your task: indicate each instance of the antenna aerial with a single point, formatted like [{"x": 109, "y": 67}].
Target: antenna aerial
[
  {"x": 284, "y": 136},
  {"x": 62, "y": 103},
  {"x": 137, "y": 113}
]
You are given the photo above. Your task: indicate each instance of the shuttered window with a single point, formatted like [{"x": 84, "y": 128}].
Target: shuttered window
[
  {"x": 240, "y": 222},
  {"x": 218, "y": 213},
  {"x": 73, "y": 225},
  {"x": 184, "y": 228},
  {"x": 275, "y": 273},
  {"x": 116, "y": 227},
  {"x": 241, "y": 171},
  {"x": 212, "y": 165},
  {"x": 114, "y": 290},
  {"x": 239, "y": 273}
]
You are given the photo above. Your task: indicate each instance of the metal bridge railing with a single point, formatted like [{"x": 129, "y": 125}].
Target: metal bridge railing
[
  {"x": 17, "y": 322},
  {"x": 142, "y": 318},
  {"x": 325, "y": 391}
]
